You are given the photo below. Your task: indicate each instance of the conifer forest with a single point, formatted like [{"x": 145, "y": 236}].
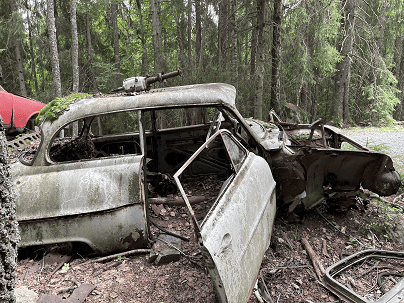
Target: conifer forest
[{"x": 340, "y": 60}]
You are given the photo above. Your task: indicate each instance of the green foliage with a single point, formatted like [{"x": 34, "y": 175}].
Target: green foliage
[
  {"x": 66, "y": 266},
  {"x": 382, "y": 103},
  {"x": 55, "y": 108},
  {"x": 348, "y": 146},
  {"x": 384, "y": 220},
  {"x": 383, "y": 147}
]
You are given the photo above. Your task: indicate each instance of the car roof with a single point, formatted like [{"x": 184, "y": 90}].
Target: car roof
[{"x": 180, "y": 96}]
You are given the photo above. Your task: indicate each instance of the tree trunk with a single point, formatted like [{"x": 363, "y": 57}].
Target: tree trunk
[
  {"x": 234, "y": 40},
  {"x": 145, "y": 64},
  {"x": 158, "y": 63},
  {"x": 57, "y": 85},
  {"x": 400, "y": 86},
  {"x": 340, "y": 109},
  {"x": 198, "y": 28},
  {"x": 179, "y": 38},
  {"x": 276, "y": 55},
  {"x": 260, "y": 71},
  {"x": 114, "y": 17},
  {"x": 189, "y": 34},
  {"x": 252, "y": 58},
  {"x": 31, "y": 48},
  {"x": 90, "y": 51},
  {"x": 75, "y": 47},
  {"x": 20, "y": 67},
  {"x": 223, "y": 30},
  {"x": 8, "y": 226}
]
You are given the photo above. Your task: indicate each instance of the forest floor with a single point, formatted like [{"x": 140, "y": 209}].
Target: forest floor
[{"x": 286, "y": 268}]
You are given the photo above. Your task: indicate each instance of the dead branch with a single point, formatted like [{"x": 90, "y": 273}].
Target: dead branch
[
  {"x": 324, "y": 249},
  {"x": 169, "y": 232},
  {"x": 122, "y": 254},
  {"x": 318, "y": 267},
  {"x": 178, "y": 201}
]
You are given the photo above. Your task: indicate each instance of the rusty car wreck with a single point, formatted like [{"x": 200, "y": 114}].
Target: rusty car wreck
[{"x": 122, "y": 153}]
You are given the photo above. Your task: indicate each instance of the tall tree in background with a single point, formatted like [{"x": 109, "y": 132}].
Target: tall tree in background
[
  {"x": 260, "y": 65},
  {"x": 75, "y": 47},
  {"x": 57, "y": 84},
  {"x": 400, "y": 85},
  {"x": 253, "y": 52},
  {"x": 158, "y": 63},
  {"x": 90, "y": 50},
  {"x": 276, "y": 54},
  {"x": 189, "y": 35},
  {"x": 114, "y": 20},
  {"x": 223, "y": 32},
  {"x": 16, "y": 38},
  {"x": 142, "y": 38},
  {"x": 342, "y": 78},
  {"x": 234, "y": 42},
  {"x": 31, "y": 47},
  {"x": 198, "y": 34}
]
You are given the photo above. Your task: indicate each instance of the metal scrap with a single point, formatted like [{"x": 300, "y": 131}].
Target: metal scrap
[{"x": 78, "y": 295}]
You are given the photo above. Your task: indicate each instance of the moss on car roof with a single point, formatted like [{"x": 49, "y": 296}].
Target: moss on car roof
[{"x": 55, "y": 108}]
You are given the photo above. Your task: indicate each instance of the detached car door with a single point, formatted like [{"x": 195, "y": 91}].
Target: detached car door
[{"x": 236, "y": 232}]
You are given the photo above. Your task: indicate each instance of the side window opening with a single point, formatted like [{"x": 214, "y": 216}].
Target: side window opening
[{"x": 107, "y": 135}]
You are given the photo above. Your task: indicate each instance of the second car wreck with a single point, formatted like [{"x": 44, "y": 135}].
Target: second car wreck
[{"x": 122, "y": 153}]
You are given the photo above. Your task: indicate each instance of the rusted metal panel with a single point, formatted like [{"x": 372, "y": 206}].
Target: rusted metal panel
[
  {"x": 76, "y": 187},
  {"x": 394, "y": 295},
  {"x": 94, "y": 229},
  {"x": 346, "y": 170},
  {"x": 78, "y": 296}
]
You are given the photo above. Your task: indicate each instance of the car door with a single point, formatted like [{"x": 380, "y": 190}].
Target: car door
[
  {"x": 6, "y": 107},
  {"x": 236, "y": 232}
]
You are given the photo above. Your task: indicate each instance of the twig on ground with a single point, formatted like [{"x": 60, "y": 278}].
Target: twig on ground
[
  {"x": 318, "y": 267},
  {"x": 324, "y": 249},
  {"x": 123, "y": 254},
  {"x": 43, "y": 265},
  {"x": 169, "y": 232}
]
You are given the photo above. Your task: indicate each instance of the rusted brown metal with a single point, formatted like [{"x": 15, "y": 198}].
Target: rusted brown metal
[{"x": 22, "y": 141}]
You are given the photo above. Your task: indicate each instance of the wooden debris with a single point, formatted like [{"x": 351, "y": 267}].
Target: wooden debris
[
  {"x": 318, "y": 267},
  {"x": 122, "y": 254},
  {"x": 177, "y": 201},
  {"x": 324, "y": 248}
]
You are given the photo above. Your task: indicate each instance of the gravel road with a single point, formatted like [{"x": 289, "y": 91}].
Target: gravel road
[{"x": 389, "y": 141}]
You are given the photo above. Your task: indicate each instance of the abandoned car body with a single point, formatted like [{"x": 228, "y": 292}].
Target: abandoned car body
[
  {"x": 122, "y": 153},
  {"x": 96, "y": 184}
]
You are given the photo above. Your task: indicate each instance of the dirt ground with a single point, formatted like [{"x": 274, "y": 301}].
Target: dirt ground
[{"x": 286, "y": 267}]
